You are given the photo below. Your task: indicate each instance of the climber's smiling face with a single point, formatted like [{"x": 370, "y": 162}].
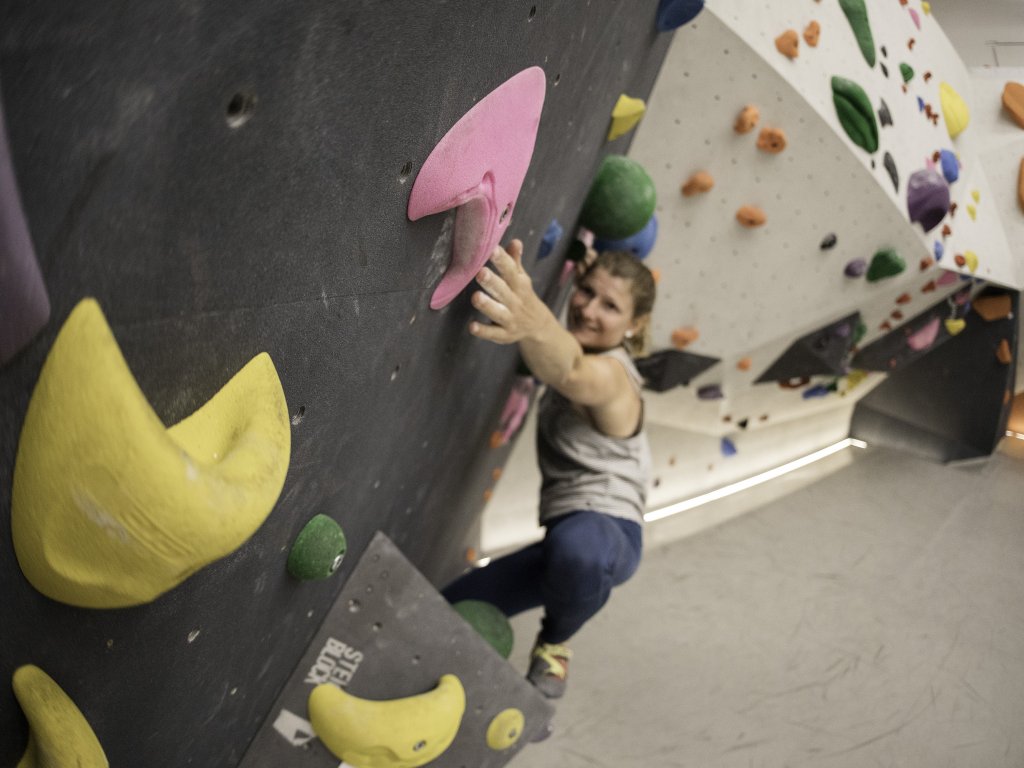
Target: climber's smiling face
[{"x": 601, "y": 310}]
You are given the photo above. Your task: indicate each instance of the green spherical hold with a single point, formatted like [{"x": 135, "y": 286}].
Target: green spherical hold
[
  {"x": 318, "y": 549},
  {"x": 621, "y": 200},
  {"x": 489, "y": 622}
]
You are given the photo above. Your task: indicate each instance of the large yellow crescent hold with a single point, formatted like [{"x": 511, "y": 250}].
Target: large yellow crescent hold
[
  {"x": 110, "y": 509},
  {"x": 400, "y": 733},
  {"x": 59, "y": 735}
]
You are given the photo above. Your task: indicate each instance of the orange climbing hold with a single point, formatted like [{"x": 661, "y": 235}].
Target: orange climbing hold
[
  {"x": 904, "y": 298},
  {"x": 656, "y": 274},
  {"x": 926, "y": 262},
  {"x": 960, "y": 260},
  {"x": 896, "y": 315},
  {"x": 747, "y": 119},
  {"x": 751, "y": 216},
  {"x": 497, "y": 439},
  {"x": 698, "y": 183},
  {"x": 683, "y": 337},
  {"x": 929, "y": 287},
  {"x": 1003, "y": 353},
  {"x": 1020, "y": 185},
  {"x": 771, "y": 140},
  {"x": 788, "y": 44},
  {"x": 811, "y": 34},
  {"x": 1013, "y": 101},
  {"x": 744, "y": 363},
  {"x": 992, "y": 308}
]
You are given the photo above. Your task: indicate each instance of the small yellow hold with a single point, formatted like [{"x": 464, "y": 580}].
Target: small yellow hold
[
  {"x": 505, "y": 729},
  {"x": 400, "y": 733},
  {"x": 926, "y": 7},
  {"x": 59, "y": 735},
  {"x": 976, "y": 195},
  {"x": 954, "y": 110},
  {"x": 625, "y": 115},
  {"x": 972, "y": 212},
  {"x": 954, "y": 326},
  {"x": 972, "y": 261},
  {"x": 109, "y": 509}
]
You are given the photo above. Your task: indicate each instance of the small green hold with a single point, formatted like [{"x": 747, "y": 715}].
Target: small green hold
[
  {"x": 859, "y": 332},
  {"x": 489, "y": 622},
  {"x": 318, "y": 549},
  {"x": 907, "y": 71},
  {"x": 855, "y": 113},
  {"x": 621, "y": 200},
  {"x": 857, "y": 14},
  {"x": 885, "y": 263}
]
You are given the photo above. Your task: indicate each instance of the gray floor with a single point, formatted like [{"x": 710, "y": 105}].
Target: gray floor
[{"x": 874, "y": 618}]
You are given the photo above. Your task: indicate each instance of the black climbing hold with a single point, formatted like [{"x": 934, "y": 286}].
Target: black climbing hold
[
  {"x": 884, "y": 52},
  {"x": 822, "y": 352},
  {"x": 884, "y": 115},
  {"x": 894, "y": 174},
  {"x": 670, "y": 368},
  {"x": 743, "y": 423},
  {"x": 829, "y": 241},
  {"x": 885, "y": 69}
]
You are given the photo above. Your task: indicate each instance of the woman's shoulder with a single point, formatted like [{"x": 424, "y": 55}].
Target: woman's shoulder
[{"x": 620, "y": 354}]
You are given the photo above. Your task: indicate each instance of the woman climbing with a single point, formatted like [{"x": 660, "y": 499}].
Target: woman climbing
[{"x": 591, "y": 447}]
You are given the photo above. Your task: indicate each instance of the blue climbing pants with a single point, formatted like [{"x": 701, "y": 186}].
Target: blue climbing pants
[{"x": 570, "y": 572}]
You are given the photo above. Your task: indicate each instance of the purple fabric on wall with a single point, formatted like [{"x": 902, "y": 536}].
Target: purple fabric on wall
[{"x": 24, "y": 304}]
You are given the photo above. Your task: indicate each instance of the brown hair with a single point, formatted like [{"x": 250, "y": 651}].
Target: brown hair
[{"x": 641, "y": 287}]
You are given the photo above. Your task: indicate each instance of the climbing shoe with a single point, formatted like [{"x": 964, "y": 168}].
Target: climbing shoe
[{"x": 549, "y": 668}]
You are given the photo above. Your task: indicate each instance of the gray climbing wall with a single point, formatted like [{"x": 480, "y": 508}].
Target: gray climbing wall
[{"x": 229, "y": 178}]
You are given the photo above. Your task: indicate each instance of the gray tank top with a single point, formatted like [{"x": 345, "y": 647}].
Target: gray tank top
[{"x": 582, "y": 468}]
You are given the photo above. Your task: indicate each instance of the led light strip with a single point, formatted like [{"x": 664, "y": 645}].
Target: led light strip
[
  {"x": 1011, "y": 433},
  {"x": 750, "y": 482}
]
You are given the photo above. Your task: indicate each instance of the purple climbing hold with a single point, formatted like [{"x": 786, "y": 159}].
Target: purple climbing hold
[
  {"x": 927, "y": 198},
  {"x": 950, "y": 165},
  {"x": 820, "y": 390},
  {"x": 24, "y": 303},
  {"x": 856, "y": 268},
  {"x": 728, "y": 447},
  {"x": 939, "y": 250},
  {"x": 674, "y": 13},
  {"x": 639, "y": 244},
  {"x": 550, "y": 239},
  {"x": 710, "y": 392}
]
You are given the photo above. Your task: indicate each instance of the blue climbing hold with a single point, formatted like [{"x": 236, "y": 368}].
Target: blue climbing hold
[
  {"x": 550, "y": 239},
  {"x": 939, "y": 250},
  {"x": 950, "y": 165},
  {"x": 920, "y": 104},
  {"x": 728, "y": 447},
  {"x": 821, "y": 390},
  {"x": 639, "y": 245},
  {"x": 675, "y": 13}
]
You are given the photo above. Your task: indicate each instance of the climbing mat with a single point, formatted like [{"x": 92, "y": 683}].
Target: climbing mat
[
  {"x": 390, "y": 635},
  {"x": 230, "y": 179}
]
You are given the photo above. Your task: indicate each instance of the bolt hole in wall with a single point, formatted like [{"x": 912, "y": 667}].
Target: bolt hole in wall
[
  {"x": 403, "y": 174},
  {"x": 297, "y": 417},
  {"x": 533, "y": 12},
  {"x": 240, "y": 109}
]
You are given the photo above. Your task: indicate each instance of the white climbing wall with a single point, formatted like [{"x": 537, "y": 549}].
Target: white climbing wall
[{"x": 752, "y": 292}]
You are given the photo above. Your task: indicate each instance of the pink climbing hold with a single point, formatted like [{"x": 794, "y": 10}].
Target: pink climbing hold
[
  {"x": 925, "y": 337},
  {"x": 947, "y": 278},
  {"x": 514, "y": 412},
  {"x": 915, "y": 17},
  {"x": 478, "y": 167}
]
